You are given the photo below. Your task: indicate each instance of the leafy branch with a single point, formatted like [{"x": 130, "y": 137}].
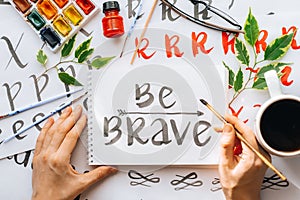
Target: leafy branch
[
  {"x": 274, "y": 51},
  {"x": 81, "y": 55}
]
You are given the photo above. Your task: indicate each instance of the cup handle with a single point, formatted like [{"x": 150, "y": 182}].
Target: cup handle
[{"x": 273, "y": 83}]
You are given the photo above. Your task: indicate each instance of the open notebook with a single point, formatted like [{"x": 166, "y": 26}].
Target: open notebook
[{"x": 149, "y": 113}]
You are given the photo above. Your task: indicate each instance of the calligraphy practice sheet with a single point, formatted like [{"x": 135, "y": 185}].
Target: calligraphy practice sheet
[{"x": 23, "y": 82}]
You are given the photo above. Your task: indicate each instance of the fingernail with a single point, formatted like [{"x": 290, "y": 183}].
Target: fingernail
[
  {"x": 78, "y": 107},
  {"x": 218, "y": 129},
  {"x": 113, "y": 170},
  {"x": 227, "y": 128},
  {"x": 67, "y": 109}
]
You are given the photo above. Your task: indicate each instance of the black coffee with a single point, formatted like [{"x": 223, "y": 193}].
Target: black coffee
[{"x": 280, "y": 125}]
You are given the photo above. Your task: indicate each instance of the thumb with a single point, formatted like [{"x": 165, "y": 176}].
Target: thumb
[
  {"x": 227, "y": 145},
  {"x": 97, "y": 174}
]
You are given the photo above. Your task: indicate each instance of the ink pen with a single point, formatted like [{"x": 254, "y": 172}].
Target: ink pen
[{"x": 58, "y": 109}]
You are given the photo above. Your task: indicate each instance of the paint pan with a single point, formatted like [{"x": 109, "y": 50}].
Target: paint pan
[{"x": 55, "y": 21}]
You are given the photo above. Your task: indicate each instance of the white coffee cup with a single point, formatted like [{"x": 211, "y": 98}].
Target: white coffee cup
[{"x": 277, "y": 122}]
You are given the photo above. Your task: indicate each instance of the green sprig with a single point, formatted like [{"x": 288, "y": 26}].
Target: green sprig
[
  {"x": 273, "y": 53},
  {"x": 81, "y": 56}
]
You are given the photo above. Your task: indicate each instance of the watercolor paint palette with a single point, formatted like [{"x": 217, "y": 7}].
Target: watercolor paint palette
[{"x": 55, "y": 21}]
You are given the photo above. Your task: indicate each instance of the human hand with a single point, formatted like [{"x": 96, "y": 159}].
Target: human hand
[
  {"x": 241, "y": 175},
  {"x": 53, "y": 176}
]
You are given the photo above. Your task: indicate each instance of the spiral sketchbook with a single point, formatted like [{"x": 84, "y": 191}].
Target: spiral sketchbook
[{"x": 149, "y": 113}]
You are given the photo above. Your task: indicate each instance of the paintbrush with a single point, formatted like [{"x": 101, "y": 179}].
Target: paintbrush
[
  {"x": 34, "y": 105},
  {"x": 58, "y": 109},
  {"x": 137, "y": 16},
  {"x": 240, "y": 137},
  {"x": 144, "y": 31}
]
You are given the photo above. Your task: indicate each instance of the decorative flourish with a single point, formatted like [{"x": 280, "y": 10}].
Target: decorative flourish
[
  {"x": 184, "y": 181},
  {"x": 81, "y": 56},
  {"x": 144, "y": 179},
  {"x": 217, "y": 185},
  {"x": 256, "y": 68},
  {"x": 274, "y": 182},
  {"x": 124, "y": 112}
]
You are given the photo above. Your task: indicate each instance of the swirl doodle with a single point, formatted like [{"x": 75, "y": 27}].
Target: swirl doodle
[
  {"x": 274, "y": 182},
  {"x": 184, "y": 179},
  {"x": 144, "y": 179},
  {"x": 216, "y": 183}
]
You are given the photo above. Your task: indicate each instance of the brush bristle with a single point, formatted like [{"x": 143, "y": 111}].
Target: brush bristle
[{"x": 203, "y": 101}]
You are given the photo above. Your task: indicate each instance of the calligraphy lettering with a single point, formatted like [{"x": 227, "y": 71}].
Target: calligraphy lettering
[
  {"x": 35, "y": 118},
  {"x": 228, "y": 43},
  {"x": 164, "y": 92},
  {"x": 22, "y": 159},
  {"x": 163, "y": 95},
  {"x": 116, "y": 128},
  {"x": 179, "y": 138},
  {"x": 132, "y": 11},
  {"x": 285, "y": 76},
  {"x": 291, "y": 29},
  {"x": 38, "y": 89},
  {"x": 141, "y": 51},
  {"x": 163, "y": 131},
  {"x": 170, "y": 46},
  {"x": 197, "y": 134},
  {"x": 139, "y": 94},
  {"x": 200, "y": 44},
  {"x": 261, "y": 43},
  {"x": 16, "y": 127},
  {"x": 133, "y": 134},
  {"x": 203, "y": 12},
  {"x": 167, "y": 12},
  {"x": 144, "y": 97},
  {"x": 13, "y": 52},
  {"x": 11, "y": 97}
]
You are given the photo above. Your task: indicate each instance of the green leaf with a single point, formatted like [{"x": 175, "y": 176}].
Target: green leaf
[
  {"x": 260, "y": 84},
  {"x": 264, "y": 69},
  {"x": 238, "y": 82},
  {"x": 231, "y": 74},
  {"x": 278, "y": 47},
  {"x": 84, "y": 55},
  {"x": 241, "y": 52},
  {"x": 41, "y": 57},
  {"x": 82, "y": 47},
  {"x": 66, "y": 50},
  {"x": 272, "y": 66},
  {"x": 68, "y": 79},
  {"x": 251, "y": 29},
  {"x": 278, "y": 66},
  {"x": 101, "y": 62}
]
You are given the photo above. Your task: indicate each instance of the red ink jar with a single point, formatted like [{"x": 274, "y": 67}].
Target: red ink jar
[{"x": 112, "y": 23}]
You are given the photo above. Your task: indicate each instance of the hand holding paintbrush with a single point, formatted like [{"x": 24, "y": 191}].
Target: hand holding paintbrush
[{"x": 245, "y": 142}]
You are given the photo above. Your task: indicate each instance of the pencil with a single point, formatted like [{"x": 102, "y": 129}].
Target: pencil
[
  {"x": 144, "y": 31},
  {"x": 239, "y": 136}
]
